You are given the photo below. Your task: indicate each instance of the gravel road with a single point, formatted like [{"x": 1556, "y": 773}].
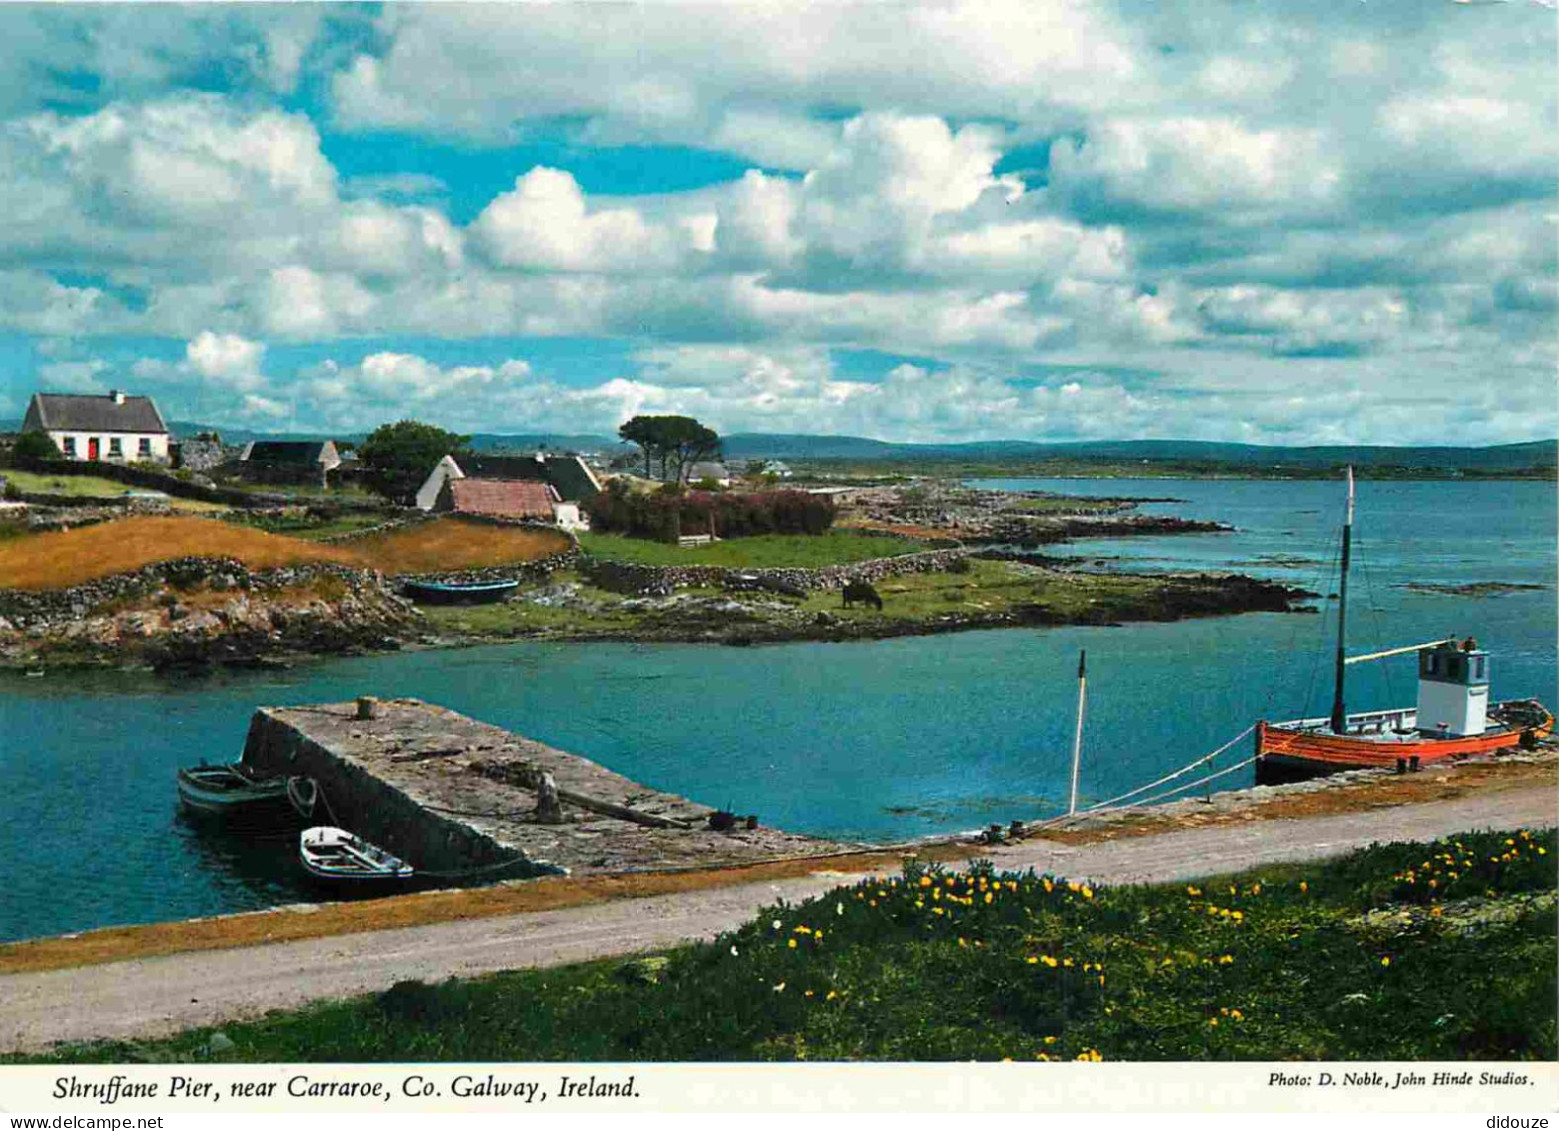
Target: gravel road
[{"x": 148, "y": 997}]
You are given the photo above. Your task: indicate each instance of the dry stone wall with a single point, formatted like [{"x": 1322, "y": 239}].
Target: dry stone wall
[
  {"x": 41, "y": 608},
  {"x": 624, "y": 577}
]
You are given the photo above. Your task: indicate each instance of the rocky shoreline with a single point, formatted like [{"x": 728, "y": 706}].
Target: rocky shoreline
[
  {"x": 200, "y": 612},
  {"x": 195, "y": 613}
]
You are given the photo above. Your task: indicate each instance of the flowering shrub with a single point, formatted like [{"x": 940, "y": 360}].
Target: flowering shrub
[
  {"x": 1360, "y": 958},
  {"x": 665, "y": 516}
]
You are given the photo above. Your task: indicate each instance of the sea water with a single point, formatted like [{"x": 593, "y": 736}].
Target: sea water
[{"x": 883, "y": 740}]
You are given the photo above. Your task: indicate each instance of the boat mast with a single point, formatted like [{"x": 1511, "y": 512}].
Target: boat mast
[
  {"x": 1339, "y": 711},
  {"x": 1077, "y": 738}
]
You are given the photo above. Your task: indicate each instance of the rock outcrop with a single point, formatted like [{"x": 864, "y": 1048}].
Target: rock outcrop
[{"x": 201, "y": 611}]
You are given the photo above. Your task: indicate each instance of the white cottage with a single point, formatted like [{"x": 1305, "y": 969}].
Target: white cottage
[{"x": 115, "y": 427}]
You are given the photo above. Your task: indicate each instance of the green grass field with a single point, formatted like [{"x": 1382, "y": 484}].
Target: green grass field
[
  {"x": 1399, "y": 952},
  {"x": 93, "y": 487},
  {"x": 769, "y": 550}
]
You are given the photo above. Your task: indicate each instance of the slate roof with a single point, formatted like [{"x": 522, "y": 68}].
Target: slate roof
[
  {"x": 504, "y": 498},
  {"x": 69, "y": 412},
  {"x": 293, "y": 453},
  {"x": 568, "y": 475}
]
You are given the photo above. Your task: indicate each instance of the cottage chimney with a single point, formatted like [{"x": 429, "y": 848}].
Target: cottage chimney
[{"x": 119, "y": 397}]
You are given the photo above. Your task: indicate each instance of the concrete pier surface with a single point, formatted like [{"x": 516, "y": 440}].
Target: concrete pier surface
[{"x": 455, "y": 796}]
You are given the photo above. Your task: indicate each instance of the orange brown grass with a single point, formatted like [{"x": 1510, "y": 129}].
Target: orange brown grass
[
  {"x": 452, "y": 543},
  {"x": 59, "y": 559}
]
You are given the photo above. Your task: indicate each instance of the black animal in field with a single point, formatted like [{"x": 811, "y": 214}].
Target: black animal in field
[{"x": 860, "y": 591}]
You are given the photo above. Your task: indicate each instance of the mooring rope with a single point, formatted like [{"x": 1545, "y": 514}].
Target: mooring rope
[
  {"x": 1177, "y": 789},
  {"x": 1102, "y": 806},
  {"x": 1189, "y": 766},
  {"x": 474, "y": 871}
]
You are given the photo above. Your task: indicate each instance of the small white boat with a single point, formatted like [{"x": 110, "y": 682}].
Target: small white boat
[{"x": 338, "y": 856}]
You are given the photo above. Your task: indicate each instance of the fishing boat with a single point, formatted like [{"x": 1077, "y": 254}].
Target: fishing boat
[
  {"x": 459, "y": 592},
  {"x": 1453, "y": 716},
  {"x": 225, "y": 790},
  {"x": 337, "y": 856}
]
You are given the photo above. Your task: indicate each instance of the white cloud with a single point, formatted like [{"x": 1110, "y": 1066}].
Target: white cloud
[{"x": 545, "y": 224}]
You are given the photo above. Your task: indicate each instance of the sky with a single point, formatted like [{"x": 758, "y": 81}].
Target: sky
[{"x": 1274, "y": 222}]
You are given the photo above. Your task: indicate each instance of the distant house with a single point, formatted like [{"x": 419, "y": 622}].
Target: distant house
[
  {"x": 775, "y": 468},
  {"x": 296, "y": 462},
  {"x": 709, "y": 470},
  {"x": 571, "y": 480},
  {"x": 115, "y": 427}
]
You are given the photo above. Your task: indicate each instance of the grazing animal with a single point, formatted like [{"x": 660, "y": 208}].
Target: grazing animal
[{"x": 860, "y": 591}]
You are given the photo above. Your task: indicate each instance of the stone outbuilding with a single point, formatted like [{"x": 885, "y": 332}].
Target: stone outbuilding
[
  {"x": 498, "y": 498},
  {"x": 301, "y": 463},
  {"x": 570, "y": 479}
]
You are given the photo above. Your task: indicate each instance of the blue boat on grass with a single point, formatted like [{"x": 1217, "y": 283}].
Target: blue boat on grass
[{"x": 459, "y": 592}]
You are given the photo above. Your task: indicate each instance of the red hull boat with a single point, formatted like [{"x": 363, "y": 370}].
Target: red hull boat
[{"x": 1452, "y": 719}]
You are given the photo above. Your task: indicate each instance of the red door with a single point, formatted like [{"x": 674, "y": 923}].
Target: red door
[{"x": 92, "y": 448}]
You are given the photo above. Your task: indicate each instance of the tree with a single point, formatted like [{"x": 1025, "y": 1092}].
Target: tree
[
  {"x": 399, "y": 456},
  {"x": 642, "y": 430},
  {"x": 677, "y": 441},
  {"x": 35, "y": 445},
  {"x": 686, "y": 442}
]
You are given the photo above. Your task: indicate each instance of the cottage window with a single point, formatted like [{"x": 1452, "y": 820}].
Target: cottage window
[
  {"x": 145, "y": 449},
  {"x": 115, "y": 447},
  {"x": 68, "y": 447}
]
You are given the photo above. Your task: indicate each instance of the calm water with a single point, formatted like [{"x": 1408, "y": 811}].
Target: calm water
[{"x": 880, "y": 740}]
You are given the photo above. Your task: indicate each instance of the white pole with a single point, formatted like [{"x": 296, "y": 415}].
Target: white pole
[{"x": 1077, "y": 740}]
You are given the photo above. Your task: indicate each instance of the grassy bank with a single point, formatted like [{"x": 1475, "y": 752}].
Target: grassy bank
[
  {"x": 1399, "y": 952},
  {"x": 988, "y": 594},
  {"x": 837, "y": 547}
]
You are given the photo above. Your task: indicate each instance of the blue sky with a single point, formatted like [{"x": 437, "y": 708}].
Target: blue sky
[{"x": 1264, "y": 223}]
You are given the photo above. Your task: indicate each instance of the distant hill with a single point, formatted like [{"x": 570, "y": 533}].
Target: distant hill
[
  {"x": 759, "y": 445},
  {"x": 803, "y": 447}
]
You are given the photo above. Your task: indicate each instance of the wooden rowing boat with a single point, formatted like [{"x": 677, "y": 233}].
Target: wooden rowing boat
[
  {"x": 459, "y": 593},
  {"x": 224, "y": 790}
]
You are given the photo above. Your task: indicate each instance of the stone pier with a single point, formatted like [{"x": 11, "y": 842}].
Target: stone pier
[{"x": 452, "y": 795}]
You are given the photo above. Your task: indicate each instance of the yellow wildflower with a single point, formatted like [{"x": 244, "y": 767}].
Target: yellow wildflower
[
  {"x": 925, "y": 881},
  {"x": 792, "y": 944},
  {"x": 1048, "y": 961},
  {"x": 1049, "y": 887},
  {"x": 988, "y": 897},
  {"x": 1193, "y": 891},
  {"x": 1050, "y": 1040},
  {"x": 1031, "y": 960},
  {"x": 831, "y": 995},
  {"x": 1236, "y": 1014},
  {"x": 1386, "y": 960},
  {"x": 1303, "y": 886},
  {"x": 1225, "y": 959},
  {"x": 1087, "y": 892},
  {"x": 1213, "y": 1021}
]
